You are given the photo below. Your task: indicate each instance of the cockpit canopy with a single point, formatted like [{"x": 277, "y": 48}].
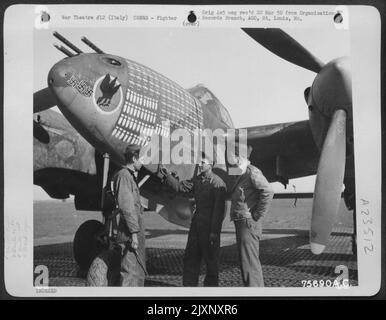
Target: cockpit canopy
[{"x": 209, "y": 101}]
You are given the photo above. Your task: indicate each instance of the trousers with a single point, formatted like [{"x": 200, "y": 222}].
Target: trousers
[
  {"x": 133, "y": 263},
  {"x": 199, "y": 248},
  {"x": 248, "y": 238}
]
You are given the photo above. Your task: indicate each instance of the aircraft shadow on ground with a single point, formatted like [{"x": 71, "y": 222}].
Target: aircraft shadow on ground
[{"x": 286, "y": 253}]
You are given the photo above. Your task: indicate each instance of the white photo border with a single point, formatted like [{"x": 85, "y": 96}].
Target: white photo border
[{"x": 20, "y": 22}]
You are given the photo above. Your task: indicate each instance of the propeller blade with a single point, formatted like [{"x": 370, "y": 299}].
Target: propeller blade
[
  {"x": 43, "y": 99},
  {"x": 283, "y": 45},
  {"x": 40, "y": 133},
  {"x": 329, "y": 182}
]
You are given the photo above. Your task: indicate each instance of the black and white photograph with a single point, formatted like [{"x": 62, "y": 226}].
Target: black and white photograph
[{"x": 195, "y": 156}]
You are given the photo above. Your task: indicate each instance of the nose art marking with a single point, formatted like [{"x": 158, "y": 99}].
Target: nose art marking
[
  {"x": 108, "y": 94},
  {"x": 80, "y": 85}
]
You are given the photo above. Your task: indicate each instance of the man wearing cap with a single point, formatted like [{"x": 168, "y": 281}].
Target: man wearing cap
[
  {"x": 209, "y": 191},
  {"x": 131, "y": 233},
  {"x": 251, "y": 197}
]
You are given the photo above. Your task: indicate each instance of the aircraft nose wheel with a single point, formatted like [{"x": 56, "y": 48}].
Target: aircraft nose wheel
[{"x": 86, "y": 244}]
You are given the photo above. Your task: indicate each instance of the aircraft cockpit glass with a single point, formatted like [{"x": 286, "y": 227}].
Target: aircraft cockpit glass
[
  {"x": 225, "y": 117},
  {"x": 210, "y": 101},
  {"x": 111, "y": 61}
]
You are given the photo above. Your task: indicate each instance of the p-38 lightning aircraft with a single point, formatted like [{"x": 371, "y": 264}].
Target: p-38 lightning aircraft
[{"x": 108, "y": 102}]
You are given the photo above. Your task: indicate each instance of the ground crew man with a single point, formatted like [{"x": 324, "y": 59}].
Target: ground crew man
[
  {"x": 209, "y": 191},
  {"x": 251, "y": 197},
  {"x": 131, "y": 233}
]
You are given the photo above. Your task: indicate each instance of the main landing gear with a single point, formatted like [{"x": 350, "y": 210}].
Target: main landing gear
[
  {"x": 95, "y": 250},
  {"x": 86, "y": 244}
]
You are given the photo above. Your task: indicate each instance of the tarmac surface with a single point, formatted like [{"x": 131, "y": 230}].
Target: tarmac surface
[{"x": 284, "y": 249}]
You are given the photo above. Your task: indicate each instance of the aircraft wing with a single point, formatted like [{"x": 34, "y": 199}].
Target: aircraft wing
[
  {"x": 64, "y": 162},
  {"x": 283, "y": 151}
]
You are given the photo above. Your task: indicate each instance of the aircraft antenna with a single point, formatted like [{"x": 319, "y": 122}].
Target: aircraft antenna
[
  {"x": 91, "y": 45},
  {"x": 67, "y": 52},
  {"x": 66, "y": 42}
]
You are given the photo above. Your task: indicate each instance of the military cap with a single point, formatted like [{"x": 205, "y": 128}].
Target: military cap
[
  {"x": 131, "y": 150},
  {"x": 207, "y": 157}
]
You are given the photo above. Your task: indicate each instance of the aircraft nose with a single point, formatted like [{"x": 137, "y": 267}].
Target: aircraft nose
[
  {"x": 58, "y": 80},
  {"x": 58, "y": 74}
]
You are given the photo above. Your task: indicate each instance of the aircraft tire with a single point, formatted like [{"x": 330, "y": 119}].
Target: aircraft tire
[
  {"x": 86, "y": 246},
  {"x": 104, "y": 270}
]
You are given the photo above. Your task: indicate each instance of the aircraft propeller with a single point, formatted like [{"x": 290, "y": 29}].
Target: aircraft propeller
[
  {"x": 329, "y": 101},
  {"x": 329, "y": 181},
  {"x": 40, "y": 133},
  {"x": 284, "y": 46},
  {"x": 43, "y": 100}
]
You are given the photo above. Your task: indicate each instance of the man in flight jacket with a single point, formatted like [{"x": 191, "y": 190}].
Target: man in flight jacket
[{"x": 209, "y": 191}]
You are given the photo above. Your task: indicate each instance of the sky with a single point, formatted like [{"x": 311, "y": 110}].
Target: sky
[{"x": 256, "y": 86}]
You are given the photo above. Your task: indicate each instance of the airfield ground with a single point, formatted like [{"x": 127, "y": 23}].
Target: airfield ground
[{"x": 285, "y": 254}]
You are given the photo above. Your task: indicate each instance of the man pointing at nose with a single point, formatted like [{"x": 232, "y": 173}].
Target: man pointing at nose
[{"x": 209, "y": 192}]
